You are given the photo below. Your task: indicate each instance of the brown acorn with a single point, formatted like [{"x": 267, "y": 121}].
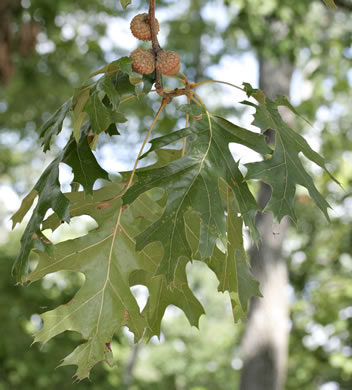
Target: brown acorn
[
  {"x": 168, "y": 62},
  {"x": 144, "y": 61},
  {"x": 140, "y": 27}
]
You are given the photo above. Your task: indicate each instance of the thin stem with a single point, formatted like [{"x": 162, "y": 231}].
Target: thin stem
[
  {"x": 195, "y": 100},
  {"x": 185, "y": 79},
  {"x": 129, "y": 98},
  {"x": 195, "y": 85},
  {"x": 175, "y": 77},
  {"x": 187, "y": 123},
  {"x": 134, "y": 96},
  {"x": 200, "y": 100},
  {"x": 163, "y": 104}
]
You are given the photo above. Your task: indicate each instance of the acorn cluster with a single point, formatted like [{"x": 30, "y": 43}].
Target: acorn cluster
[{"x": 145, "y": 62}]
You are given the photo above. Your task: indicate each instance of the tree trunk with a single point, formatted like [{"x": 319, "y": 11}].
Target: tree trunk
[
  {"x": 265, "y": 342},
  {"x": 6, "y": 65}
]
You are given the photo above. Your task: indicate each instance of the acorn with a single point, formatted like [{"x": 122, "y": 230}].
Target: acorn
[
  {"x": 168, "y": 62},
  {"x": 140, "y": 27},
  {"x": 144, "y": 61}
]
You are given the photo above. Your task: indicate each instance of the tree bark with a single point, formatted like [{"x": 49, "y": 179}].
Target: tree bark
[
  {"x": 6, "y": 65},
  {"x": 23, "y": 41},
  {"x": 265, "y": 342}
]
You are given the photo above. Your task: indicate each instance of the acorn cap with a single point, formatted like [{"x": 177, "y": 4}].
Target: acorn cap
[
  {"x": 140, "y": 27},
  {"x": 168, "y": 62},
  {"x": 144, "y": 61}
]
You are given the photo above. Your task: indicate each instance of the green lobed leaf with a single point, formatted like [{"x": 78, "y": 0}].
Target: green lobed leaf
[
  {"x": 192, "y": 184},
  {"x": 80, "y": 99},
  {"x": 284, "y": 170},
  {"x": 49, "y": 196},
  {"x": 163, "y": 156},
  {"x": 100, "y": 116},
  {"x": 106, "y": 85},
  {"x": 230, "y": 263},
  {"x": 123, "y": 64},
  {"x": 24, "y": 208},
  {"x": 107, "y": 258},
  {"x": 123, "y": 84},
  {"x": 53, "y": 125},
  {"x": 232, "y": 266},
  {"x": 85, "y": 167},
  {"x": 86, "y": 171},
  {"x": 118, "y": 79},
  {"x": 161, "y": 296},
  {"x": 96, "y": 205}
]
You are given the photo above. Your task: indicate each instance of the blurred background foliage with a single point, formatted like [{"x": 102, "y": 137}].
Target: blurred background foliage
[{"x": 49, "y": 48}]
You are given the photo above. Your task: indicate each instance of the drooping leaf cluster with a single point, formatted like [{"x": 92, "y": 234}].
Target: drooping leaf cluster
[{"x": 187, "y": 206}]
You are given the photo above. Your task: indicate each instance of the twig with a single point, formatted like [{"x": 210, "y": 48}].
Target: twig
[
  {"x": 155, "y": 42},
  {"x": 156, "y": 46},
  {"x": 167, "y": 96}
]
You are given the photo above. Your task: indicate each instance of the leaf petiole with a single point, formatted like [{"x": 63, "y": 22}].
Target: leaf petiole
[
  {"x": 200, "y": 100},
  {"x": 163, "y": 104},
  {"x": 134, "y": 96},
  {"x": 217, "y": 81},
  {"x": 174, "y": 77},
  {"x": 187, "y": 123}
]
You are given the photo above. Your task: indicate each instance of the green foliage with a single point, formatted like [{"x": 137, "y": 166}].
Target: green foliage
[
  {"x": 192, "y": 184},
  {"x": 95, "y": 109},
  {"x": 53, "y": 125},
  {"x": 105, "y": 302},
  {"x": 145, "y": 238},
  {"x": 86, "y": 172},
  {"x": 125, "y": 3},
  {"x": 284, "y": 170}
]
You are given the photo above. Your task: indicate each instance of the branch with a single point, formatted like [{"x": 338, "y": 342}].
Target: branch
[
  {"x": 166, "y": 95},
  {"x": 156, "y": 46},
  {"x": 155, "y": 42}
]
